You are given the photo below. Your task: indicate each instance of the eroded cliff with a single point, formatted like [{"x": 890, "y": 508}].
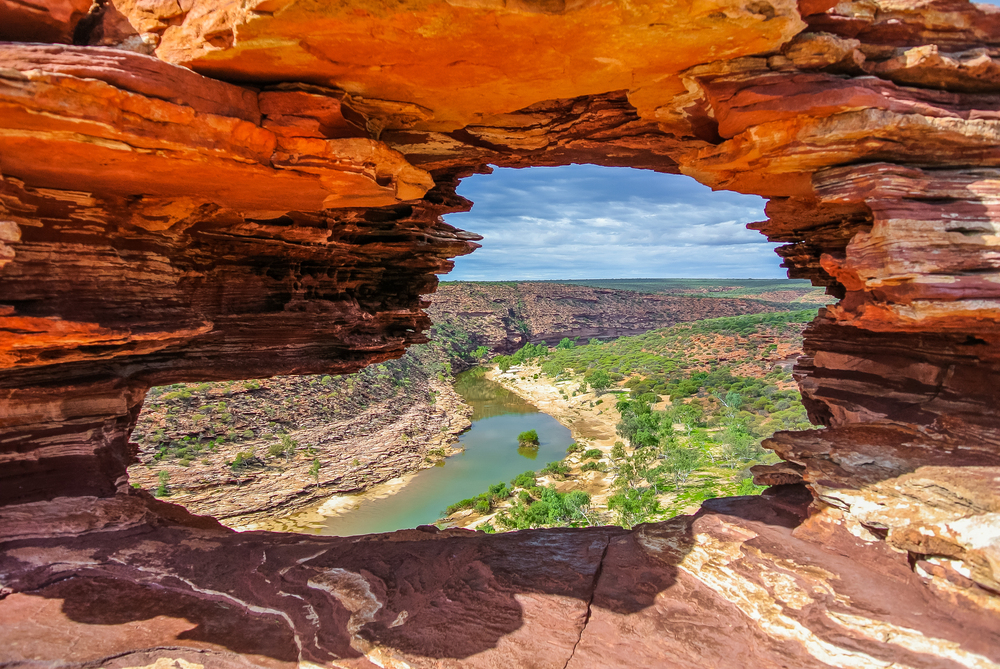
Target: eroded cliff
[
  {"x": 504, "y": 317},
  {"x": 262, "y": 195}
]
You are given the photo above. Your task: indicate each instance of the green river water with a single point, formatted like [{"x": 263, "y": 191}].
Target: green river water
[{"x": 491, "y": 455}]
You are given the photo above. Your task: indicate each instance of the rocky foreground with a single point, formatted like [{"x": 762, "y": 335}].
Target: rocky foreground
[{"x": 747, "y": 582}]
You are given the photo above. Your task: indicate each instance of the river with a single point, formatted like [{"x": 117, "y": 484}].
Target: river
[{"x": 491, "y": 455}]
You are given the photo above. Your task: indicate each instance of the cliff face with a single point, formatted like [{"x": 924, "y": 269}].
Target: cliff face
[
  {"x": 504, "y": 317},
  {"x": 262, "y": 195}
]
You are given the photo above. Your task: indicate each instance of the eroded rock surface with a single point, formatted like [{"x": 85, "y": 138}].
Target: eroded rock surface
[
  {"x": 731, "y": 586},
  {"x": 505, "y": 317},
  {"x": 277, "y": 211}
]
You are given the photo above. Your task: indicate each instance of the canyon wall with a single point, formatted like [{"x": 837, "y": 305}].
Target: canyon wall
[
  {"x": 212, "y": 190},
  {"x": 505, "y": 317}
]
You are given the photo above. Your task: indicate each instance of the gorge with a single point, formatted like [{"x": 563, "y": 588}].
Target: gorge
[{"x": 209, "y": 190}]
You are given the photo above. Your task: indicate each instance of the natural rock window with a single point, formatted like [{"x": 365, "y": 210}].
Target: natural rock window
[{"x": 262, "y": 196}]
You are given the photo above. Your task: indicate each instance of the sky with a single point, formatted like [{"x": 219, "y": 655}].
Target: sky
[{"x": 590, "y": 222}]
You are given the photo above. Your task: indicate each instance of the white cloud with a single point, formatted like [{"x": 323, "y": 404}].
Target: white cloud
[{"x": 584, "y": 221}]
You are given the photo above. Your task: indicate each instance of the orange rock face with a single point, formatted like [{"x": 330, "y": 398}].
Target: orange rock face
[{"x": 258, "y": 191}]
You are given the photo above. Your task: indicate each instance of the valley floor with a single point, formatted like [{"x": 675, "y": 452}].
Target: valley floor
[{"x": 592, "y": 419}]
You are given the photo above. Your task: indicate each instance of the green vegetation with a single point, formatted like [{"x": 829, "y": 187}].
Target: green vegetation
[
  {"x": 525, "y": 480},
  {"x": 528, "y": 438},
  {"x": 557, "y": 468},
  {"x": 483, "y": 502},
  {"x": 284, "y": 446},
  {"x": 245, "y": 460},
  {"x": 699, "y": 287},
  {"x": 527, "y": 353},
  {"x": 695, "y": 401},
  {"x": 164, "y": 478},
  {"x": 599, "y": 380},
  {"x": 545, "y": 507}
]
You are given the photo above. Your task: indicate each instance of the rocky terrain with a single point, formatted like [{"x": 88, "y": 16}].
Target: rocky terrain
[
  {"x": 505, "y": 316},
  {"x": 736, "y": 351},
  {"x": 248, "y": 451},
  {"x": 214, "y": 191}
]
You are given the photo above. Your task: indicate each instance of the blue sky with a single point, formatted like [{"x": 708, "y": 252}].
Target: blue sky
[{"x": 589, "y": 222}]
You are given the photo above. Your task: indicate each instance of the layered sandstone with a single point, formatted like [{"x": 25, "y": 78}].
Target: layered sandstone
[
  {"x": 262, "y": 196},
  {"x": 504, "y": 317}
]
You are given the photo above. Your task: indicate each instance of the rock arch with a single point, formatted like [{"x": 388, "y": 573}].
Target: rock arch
[{"x": 263, "y": 196}]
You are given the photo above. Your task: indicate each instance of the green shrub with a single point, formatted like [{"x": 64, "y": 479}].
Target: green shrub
[
  {"x": 458, "y": 506},
  {"x": 574, "y": 448},
  {"x": 164, "y": 478},
  {"x": 525, "y": 480},
  {"x": 593, "y": 467},
  {"x": 557, "y": 468},
  {"x": 593, "y": 454},
  {"x": 244, "y": 460},
  {"x": 747, "y": 487},
  {"x": 528, "y": 438}
]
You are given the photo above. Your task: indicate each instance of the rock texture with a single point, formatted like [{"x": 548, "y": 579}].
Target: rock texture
[
  {"x": 504, "y": 317},
  {"x": 262, "y": 195},
  {"x": 732, "y": 586},
  {"x": 345, "y": 434}
]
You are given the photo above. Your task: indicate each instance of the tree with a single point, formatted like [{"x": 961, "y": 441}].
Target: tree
[
  {"x": 680, "y": 462},
  {"x": 504, "y": 362},
  {"x": 741, "y": 447},
  {"x": 598, "y": 380},
  {"x": 689, "y": 415},
  {"x": 314, "y": 470},
  {"x": 633, "y": 506},
  {"x": 640, "y": 424},
  {"x": 732, "y": 401},
  {"x": 528, "y": 438},
  {"x": 565, "y": 343},
  {"x": 618, "y": 451}
]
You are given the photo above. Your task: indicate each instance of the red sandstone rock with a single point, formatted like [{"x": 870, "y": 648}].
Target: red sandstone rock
[
  {"x": 508, "y": 316},
  {"x": 158, "y": 226},
  {"x": 733, "y": 586},
  {"x": 48, "y": 21}
]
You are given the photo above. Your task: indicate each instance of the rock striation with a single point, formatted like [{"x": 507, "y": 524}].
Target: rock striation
[
  {"x": 213, "y": 190},
  {"x": 504, "y": 317}
]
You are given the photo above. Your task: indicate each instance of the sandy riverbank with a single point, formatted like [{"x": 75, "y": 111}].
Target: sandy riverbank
[
  {"x": 310, "y": 520},
  {"x": 591, "y": 419},
  {"x": 371, "y": 452}
]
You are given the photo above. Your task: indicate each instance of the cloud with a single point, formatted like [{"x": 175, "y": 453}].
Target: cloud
[{"x": 586, "y": 222}]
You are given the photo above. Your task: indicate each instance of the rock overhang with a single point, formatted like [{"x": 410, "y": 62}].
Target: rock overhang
[{"x": 282, "y": 215}]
